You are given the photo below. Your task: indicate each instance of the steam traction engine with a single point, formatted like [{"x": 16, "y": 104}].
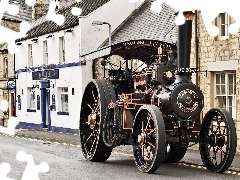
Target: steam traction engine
[{"x": 157, "y": 110}]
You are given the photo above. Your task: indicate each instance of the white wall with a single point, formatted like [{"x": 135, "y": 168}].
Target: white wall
[{"x": 71, "y": 48}]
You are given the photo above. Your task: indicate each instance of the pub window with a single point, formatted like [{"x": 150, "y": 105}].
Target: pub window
[
  {"x": 45, "y": 52},
  {"x": 225, "y": 92},
  {"x": 63, "y": 99},
  {"x": 61, "y": 50},
  {"x": 30, "y": 56},
  {"x": 5, "y": 67},
  {"x": 223, "y": 24},
  {"x": 31, "y": 99}
]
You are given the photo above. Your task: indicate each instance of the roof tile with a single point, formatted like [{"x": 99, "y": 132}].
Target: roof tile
[
  {"x": 87, "y": 6},
  {"x": 145, "y": 24}
]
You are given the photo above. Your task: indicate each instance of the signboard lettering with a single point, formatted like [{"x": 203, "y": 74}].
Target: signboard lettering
[{"x": 48, "y": 74}]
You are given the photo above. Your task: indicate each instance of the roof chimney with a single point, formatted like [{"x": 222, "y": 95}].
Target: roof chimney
[{"x": 40, "y": 9}]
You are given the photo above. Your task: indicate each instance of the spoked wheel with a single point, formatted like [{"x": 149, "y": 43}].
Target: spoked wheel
[
  {"x": 218, "y": 140},
  {"x": 93, "y": 111},
  {"x": 174, "y": 152},
  {"x": 148, "y": 138}
]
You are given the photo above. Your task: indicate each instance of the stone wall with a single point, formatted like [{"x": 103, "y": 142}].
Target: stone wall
[
  {"x": 6, "y": 74},
  {"x": 115, "y": 61},
  {"x": 11, "y": 25},
  {"x": 39, "y": 10},
  {"x": 213, "y": 50}
]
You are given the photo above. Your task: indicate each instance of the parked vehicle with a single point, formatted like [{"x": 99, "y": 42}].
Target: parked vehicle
[{"x": 157, "y": 110}]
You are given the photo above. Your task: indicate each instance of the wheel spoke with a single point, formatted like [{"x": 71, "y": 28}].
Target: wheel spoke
[
  {"x": 151, "y": 144},
  {"x": 90, "y": 107},
  {"x": 89, "y": 137}
]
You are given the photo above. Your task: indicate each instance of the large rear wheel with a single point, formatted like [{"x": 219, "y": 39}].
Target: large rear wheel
[
  {"x": 218, "y": 140},
  {"x": 148, "y": 138},
  {"x": 93, "y": 112}
]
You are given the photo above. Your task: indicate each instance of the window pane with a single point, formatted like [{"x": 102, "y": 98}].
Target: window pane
[
  {"x": 223, "y": 24},
  {"x": 65, "y": 103},
  {"x": 230, "y": 110},
  {"x": 223, "y": 90},
  {"x": 221, "y": 101},
  {"x": 223, "y": 32},
  {"x": 65, "y": 89},
  {"x": 217, "y": 89},
  {"x": 32, "y": 101},
  {"x": 217, "y": 78},
  {"x": 230, "y": 99},
  {"x": 222, "y": 78},
  {"x": 230, "y": 78},
  {"x": 232, "y": 106},
  {"x": 230, "y": 89}
]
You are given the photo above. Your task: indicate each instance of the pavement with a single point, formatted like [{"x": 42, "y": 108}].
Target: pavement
[{"x": 191, "y": 158}]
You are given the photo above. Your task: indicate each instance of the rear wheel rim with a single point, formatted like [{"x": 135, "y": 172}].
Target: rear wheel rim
[{"x": 216, "y": 148}]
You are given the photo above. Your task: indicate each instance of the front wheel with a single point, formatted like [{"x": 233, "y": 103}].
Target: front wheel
[
  {"x": 148, "y": 138},
  {"x": 218, "y": 140}
]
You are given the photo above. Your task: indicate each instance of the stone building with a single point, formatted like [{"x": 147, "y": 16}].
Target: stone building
[
  {"x": 220, "y": 57},
  {"x": 7, "y": 61}
]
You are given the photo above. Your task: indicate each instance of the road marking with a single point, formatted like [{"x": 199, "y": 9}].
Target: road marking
[
  {"x": 203, "y": 167},
  {"x": 115, "y": 151}
]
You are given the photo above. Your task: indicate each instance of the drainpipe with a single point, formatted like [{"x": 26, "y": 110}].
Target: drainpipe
[
  {"x": 15, "y": 92},
  {"x": 196, "y": 46}
]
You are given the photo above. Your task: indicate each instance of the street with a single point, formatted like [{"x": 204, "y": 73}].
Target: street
[{"x": 66, "y": 162}]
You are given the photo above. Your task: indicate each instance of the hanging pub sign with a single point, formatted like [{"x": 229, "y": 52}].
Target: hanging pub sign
[
  {"x": 38, "y": 102},
  {"x": 48, "y": 74},
  {"x": 53, "y": 106},
  {"x": 19, "y": 102},
  {"x": 11, "y": 84}
]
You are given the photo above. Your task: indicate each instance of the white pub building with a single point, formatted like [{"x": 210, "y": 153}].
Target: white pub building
[{"x": 51, "y": 76}]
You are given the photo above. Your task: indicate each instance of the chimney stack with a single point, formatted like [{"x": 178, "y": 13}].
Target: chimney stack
[{"x": 40, "y": 9}]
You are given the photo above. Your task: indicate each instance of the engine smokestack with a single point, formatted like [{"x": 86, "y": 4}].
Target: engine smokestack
[{"x": 184, "y": 42}]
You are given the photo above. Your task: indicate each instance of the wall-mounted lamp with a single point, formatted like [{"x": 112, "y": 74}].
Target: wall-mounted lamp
[
  {"x": 34, "y": 40},
  {"x": 18, "y": 43},
  {"x": 68, "y": 30},
  {"x": 50, "y": 35}
]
